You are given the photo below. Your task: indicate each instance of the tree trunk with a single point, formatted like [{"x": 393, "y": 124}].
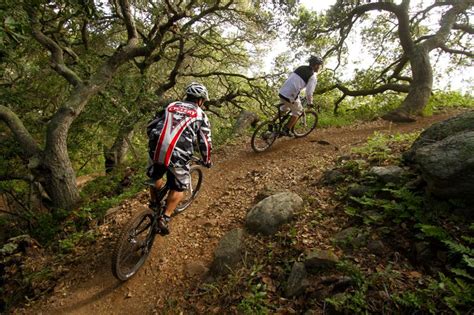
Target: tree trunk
[
  {"x": 420, "y": 88},
  {"x": 57, "y": 177},
  {"x": 115, "y": 155},
  {"x": 422, "y": 84}
]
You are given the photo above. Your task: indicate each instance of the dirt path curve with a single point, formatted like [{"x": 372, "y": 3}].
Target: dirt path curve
[{"x": 229, "y": 190}]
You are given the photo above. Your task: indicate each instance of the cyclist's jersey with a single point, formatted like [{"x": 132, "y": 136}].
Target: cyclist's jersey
[
  {"x": 179, "y": 127},
  {"x": 302, "y": 77}
]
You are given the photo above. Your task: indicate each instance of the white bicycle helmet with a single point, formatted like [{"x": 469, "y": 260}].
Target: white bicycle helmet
[{"x": 197, "y": 90}]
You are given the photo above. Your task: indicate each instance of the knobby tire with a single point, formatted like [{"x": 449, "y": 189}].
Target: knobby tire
[
  {"x": 134, "y": 245},
  {"x": 304, "y": 125},
  {"x": 262, "y": 137}
]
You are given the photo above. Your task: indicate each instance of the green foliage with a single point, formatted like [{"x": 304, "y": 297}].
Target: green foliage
[
  {"x": 446, "y": 292},
  {"x": 430, "y": 220},
  {"x": 254, "y": 301},
  {"x": 358, "y": 300},
  {"x": 105, "y": 192},
  {"x": 449, "y": 99},
  {"x": 354, "y": 110},
  {"x": 328, "y": 119},
  {"x": 222, "y": 130},
  {"x": 433, "y": 231},
  {"x": 68, "y": 244},
  {"x": 46, "y": 228},
  {"x": 376, "y": 149},
  {"x": 415, "y": 301},
  {"x": 380, "y": 147}
]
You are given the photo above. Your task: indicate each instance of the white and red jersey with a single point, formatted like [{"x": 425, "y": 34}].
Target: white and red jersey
[{"x": 180, "y": 126}]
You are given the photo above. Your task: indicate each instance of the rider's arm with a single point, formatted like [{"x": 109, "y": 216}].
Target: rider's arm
[
  {"x": 204, "y": 140},
  {"x": 310, "y": 87}
]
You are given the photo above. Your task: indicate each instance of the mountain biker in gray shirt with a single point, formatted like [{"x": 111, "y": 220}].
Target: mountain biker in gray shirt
[{"x": 302, "y": 77}]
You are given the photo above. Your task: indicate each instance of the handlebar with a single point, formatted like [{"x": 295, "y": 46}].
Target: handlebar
[{"x": 304, "y": 103}]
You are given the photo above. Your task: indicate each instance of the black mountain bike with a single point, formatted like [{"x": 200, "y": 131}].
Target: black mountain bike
[
  {"x": 137, "y": 237},
  {"x": 267, "y": 132}
]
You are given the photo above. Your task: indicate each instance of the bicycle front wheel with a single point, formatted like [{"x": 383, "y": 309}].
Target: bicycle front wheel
[
  {"x": 196, "y": 178},
  {"x": 263, "y": 136},
  {"x": 306, "y": 123},
  {"x": 134, "y": 245}
]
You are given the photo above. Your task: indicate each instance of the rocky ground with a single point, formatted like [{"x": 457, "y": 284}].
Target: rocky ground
[{"x": 178, "y": 262}]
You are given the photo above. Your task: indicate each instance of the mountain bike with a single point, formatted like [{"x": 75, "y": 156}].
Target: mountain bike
[
  {"x": 137, "y": 236},
  {"x": 267, "y": 132}
]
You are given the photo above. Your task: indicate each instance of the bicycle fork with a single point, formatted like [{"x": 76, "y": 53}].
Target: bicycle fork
[{"x": 303, "y": 119}]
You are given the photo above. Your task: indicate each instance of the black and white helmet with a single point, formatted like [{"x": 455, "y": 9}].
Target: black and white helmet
[
  {"x": 197, "y": 90},
  {"x": 315, "y": 60}
]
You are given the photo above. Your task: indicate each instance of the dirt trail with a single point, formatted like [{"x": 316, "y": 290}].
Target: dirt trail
[{"x": 228, "y": 192}]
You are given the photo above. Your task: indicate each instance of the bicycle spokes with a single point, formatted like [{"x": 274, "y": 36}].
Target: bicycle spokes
[
  {"x": 303, "y": 120},
  {"x": 134, "y": 245},
  {"x": 306, "y": 123},
  {"x": 264, "y": 136}
]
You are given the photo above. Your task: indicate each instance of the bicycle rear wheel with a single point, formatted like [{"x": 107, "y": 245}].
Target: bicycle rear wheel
[
  {"x": 134, "y": 245},
  {"x": 306, "y": 123},
  {"x": 264, "y": 136},
  {"x": 191, "y": 193}
]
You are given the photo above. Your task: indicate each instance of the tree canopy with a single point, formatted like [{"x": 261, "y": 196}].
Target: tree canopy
[
  {"x": 83, "y": 73},
  {"x": 404, "y": 41}
]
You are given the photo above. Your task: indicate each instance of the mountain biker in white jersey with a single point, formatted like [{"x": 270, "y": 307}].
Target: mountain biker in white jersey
[
  {"x": 302, "y": 77},
  {"x": 171, "y": 145}
]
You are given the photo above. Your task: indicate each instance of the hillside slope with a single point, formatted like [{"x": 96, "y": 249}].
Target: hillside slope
[{"x": 229, "y": 191}]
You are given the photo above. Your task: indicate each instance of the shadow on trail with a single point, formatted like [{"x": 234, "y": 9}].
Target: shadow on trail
[{"x": 102, "y": 294}]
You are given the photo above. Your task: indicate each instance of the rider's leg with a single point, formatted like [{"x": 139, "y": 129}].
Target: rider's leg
[
  {"x": 178, "y": 179},
  {"x": 292, "y": 122},
  {"x": 296, "y": 110},
  {"x": 155, "y": 172},
  {"x": 174, "y": 198},
  {"x": 158, "y": 185}
]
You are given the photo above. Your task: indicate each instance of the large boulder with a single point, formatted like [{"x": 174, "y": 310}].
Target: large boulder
[
  {"x": 445, "y": 154},
  {"x": 441, "y": 130},
  {"x": 246, "y": 118},
  {"x": 269, "y": 214},
  {"x": 448, "y": 166}
]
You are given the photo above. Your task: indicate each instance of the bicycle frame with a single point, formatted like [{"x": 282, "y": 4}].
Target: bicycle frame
[
  {"x": 283, "y": 118},
  {"x": 268, "y": 131},
  {"x": 137, "y": 236}
]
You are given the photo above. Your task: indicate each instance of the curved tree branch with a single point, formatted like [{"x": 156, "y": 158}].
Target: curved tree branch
[
  {"x": 464, "y": 27},
  {"x": 57, "y": 57},
  {"x": 447, "y": 22},
  {"x": 456, "y": 51},
  {"x": 28, "y": 144},
  {"x": 129, "y": 21}
]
